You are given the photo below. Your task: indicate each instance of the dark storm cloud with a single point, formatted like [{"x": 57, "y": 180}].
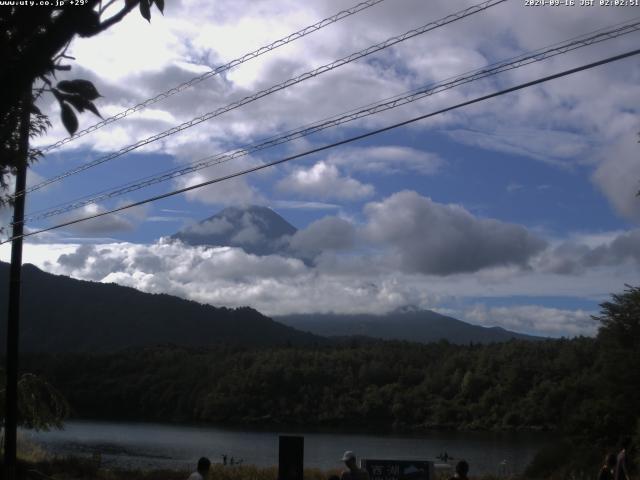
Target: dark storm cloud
[
  {"x": 433, "y": 238},
  {"x": 572, "y": 258},
  {"x": 329, "y": 233}
]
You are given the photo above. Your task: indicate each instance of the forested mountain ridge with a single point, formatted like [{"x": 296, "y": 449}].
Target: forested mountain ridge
[
  {"x": 422, "y": 326},
  {"x": 61, "y": 314}
]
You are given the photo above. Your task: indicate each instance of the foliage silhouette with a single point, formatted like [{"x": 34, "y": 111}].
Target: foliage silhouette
[{"x": 33, "y": 45}]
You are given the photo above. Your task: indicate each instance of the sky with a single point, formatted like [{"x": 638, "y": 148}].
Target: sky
[{"x": 519, "y": 211}]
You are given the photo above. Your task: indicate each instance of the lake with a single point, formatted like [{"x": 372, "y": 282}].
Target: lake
[{"x": 153, "y": 446}]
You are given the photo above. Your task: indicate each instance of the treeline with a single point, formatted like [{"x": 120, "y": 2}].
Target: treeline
[
  {"x": 586, "y": 390},
  {"x": 562, "y": 385}
]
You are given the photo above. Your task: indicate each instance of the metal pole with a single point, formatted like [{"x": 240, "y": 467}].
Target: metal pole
[{"x": 13, "y": 323}]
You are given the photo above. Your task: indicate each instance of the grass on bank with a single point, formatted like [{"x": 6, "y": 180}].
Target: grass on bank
[
  {"x": 81, "y": 469},
  {"x": 73, "y": 468},
  {"x": 37, "y": 464},
  {"x": 561, "y": 460}
]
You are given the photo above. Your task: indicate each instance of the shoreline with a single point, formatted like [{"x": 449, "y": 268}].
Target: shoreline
[
  {"x": 376, "y": 429},
  {"x": 73, "y": 467},
  {"x": 148, "y": 446}
]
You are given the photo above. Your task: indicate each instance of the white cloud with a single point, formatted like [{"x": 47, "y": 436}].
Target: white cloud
[
  {"x": 106, "y": 224},
  {"x": 236, "y": 191},
  {"x": 213, "y": 226},
  {"x": 275, "y": 285},
  {"x": 324, "y": 181},
  {"x": 545, "y": 321},
  {"x": 173, "y": 49},
  {"x": 546, "y": 145},
  {"x": 514, "y": 187},
  {"x": 561, "y": 122},
  {"x": 445, "y": 61},
  {"x": 618, "y": 176},
  {"x": 387, "y": 159},
  {"x": 6, "y": 211},
  {"x": 366, "y": 283},
  {"x": 300, "y": 205}
]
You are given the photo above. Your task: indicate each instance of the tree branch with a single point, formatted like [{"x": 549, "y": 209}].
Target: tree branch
[
  {"x": 103, "y": 9},
  {"x": 117, "y": 17}
]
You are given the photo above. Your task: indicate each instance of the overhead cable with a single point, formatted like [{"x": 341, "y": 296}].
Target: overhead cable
[
  {"x": 332, "y": 145},
  {"x": 263, "y": 93},
  {"x": 384, "y": 105},
  {"x": 216, "y": 71}
]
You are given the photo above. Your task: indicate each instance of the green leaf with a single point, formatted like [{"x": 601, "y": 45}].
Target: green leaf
[
  {"x": 92, "y": 108},
  {"x": 40, "y": 405},
  {"x": 76, "y": 100},
  {"x": 69, "y": 119},
  {"x": 145, "y": 10},
  {"x": 83, "y": 88},
  {"x": 160, "y": 5},
  {"x": 81, "y": 103}
]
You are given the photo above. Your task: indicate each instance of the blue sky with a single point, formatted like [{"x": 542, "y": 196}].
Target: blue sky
[{"x": 519, "y": 211}]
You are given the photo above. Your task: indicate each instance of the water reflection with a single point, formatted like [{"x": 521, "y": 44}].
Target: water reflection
[{"x": 151, "y": 446}]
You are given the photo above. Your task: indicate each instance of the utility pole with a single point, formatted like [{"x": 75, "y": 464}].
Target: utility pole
[{"x": 13, "y": 319}]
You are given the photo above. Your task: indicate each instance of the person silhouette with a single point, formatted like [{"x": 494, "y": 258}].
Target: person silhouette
[
  {"x": 608, "y": 468},
  {"x": 353, "y": 472},
  {"x": 202, "y": 471},
  {"x": 621, "y": 472},
  {"x": 462, "y": 469}
]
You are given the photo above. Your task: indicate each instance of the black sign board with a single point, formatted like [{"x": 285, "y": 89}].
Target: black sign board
[
  {"x": 398, "y": 469},
  {"x": 291, "y": 458}
]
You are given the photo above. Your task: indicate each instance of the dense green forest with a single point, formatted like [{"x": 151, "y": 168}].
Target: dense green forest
[
  {"x": 566, "y": 385},
  {"x": 586, "y": 389},
  {"x": 519, "y": 384}
]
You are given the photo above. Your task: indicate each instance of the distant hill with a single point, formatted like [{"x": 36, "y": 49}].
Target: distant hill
[
  {"x": 422, "y": 326},
  {"x": 258, "y": 230},
  {"x": 60, "y": 314}
]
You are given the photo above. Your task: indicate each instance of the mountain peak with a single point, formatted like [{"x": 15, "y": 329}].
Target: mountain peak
[{"x": 254, "y": 228}]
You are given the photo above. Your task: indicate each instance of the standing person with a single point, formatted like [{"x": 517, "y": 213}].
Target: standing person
[
  {"x": 353, "y": 472},
  {"x": 203, "y": 470},
  {"x": 621, "y": 472},
  {"x": 608, "y": 469},
  {"x": 462, "y": 469}
]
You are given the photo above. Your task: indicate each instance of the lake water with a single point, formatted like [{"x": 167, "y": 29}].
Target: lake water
[{"x": 153, "y": 446}]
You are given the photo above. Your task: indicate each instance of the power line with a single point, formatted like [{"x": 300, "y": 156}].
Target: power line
[
  {"x": 335, "y": 144},
  {"x": 394, "y": 102},
  {"x": 275, "y": 88},
  {"x": 216, "y": 71},
  {"x": 402, "y": 99}
]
